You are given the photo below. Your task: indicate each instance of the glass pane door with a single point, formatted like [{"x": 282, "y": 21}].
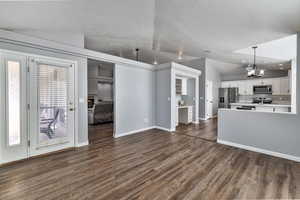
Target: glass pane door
[{"x": 53, "y": 103}]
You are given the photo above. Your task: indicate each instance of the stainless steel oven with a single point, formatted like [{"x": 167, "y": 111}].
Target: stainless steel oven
[{"x": 262, "y": 89}]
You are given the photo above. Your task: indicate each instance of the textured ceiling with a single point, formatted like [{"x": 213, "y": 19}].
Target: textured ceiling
[{"x": 161, "y": 28}]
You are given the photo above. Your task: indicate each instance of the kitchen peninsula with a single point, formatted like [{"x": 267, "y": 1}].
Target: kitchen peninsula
[{"x": 262, "y": 107}]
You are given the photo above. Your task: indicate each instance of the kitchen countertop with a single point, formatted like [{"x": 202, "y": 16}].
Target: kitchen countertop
[
  {"x": 254, "y": 111},
  {"x": 186, "y": 106},
  {"x": 261, "y": 105}
]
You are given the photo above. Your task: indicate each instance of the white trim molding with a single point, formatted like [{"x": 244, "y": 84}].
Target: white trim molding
[
  {"x": 164, "y": 129},
  {"x": 203, "y": 119},
  {"x": 81, "y": 144},
  {"x": 259, "y": 150},
  {"x": 133, "y": 132},
  {"x": 142, "y": 130},
  {"x": 14, "y": 38}
]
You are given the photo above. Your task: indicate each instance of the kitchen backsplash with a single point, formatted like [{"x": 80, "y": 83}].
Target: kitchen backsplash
[{"x": 275, "y": 98}]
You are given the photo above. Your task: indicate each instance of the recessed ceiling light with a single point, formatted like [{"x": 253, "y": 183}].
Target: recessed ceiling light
[
  {"x": 280, "y": 64},
  {"x": 155, "y": 62}
]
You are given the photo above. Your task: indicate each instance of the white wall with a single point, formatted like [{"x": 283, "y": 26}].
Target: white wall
[
  {"x": 134, "y": 99},
  {"x": 212, "y": 74}
]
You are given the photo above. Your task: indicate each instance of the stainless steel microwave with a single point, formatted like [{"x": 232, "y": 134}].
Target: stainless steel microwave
[{"x": 262, "y": 89}]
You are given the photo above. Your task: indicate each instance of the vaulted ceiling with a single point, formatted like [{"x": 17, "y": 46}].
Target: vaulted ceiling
[{"x": 161, "y": 29}]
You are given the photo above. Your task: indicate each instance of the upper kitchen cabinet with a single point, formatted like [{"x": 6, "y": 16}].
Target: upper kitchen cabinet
[
  {"x": 248, "y": 87},
  {"x": 242, "y": 89},
  {"x": 229, "y": 84},
  {"x": 266, "y": 81},
  {"x": 181, "y": 86},
  {"x": 284, "y": 86},
  {"x": 280, "y": 86},
  {"x": 234, "y": 84},
  {"x": 276, "y": 86},
  {"x": 225, "y": 84}
]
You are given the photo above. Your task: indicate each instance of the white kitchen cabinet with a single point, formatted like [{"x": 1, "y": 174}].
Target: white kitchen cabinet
[
  {"x": 267, "y": 81},
  {"x": 256, "y": 82},
  {"x": 181, "y": 86},
  {"x": 284, "y": 85},
  {"x": 185, "y": 114},
  {"x": 234, "y": 84},
  {"x": 281, "y": 86},
  {"x": 249, "y": 88},
  {"x": 225, "y": 84},
  {"x": 242, "y": 88},
  {"x": 276, "y": 86}
]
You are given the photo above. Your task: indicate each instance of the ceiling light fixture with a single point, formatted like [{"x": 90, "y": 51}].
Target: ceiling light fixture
[
  {"x": 180, "y": 55},
  {"x": 155, "y": 62},
  {"x": 252, "y": 71},
  {"x": 137, "y": 54}
]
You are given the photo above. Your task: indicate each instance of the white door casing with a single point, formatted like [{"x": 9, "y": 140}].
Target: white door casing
[{"x": 209, "y": 99}]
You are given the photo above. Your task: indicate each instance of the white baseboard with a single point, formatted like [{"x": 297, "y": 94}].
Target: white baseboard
[
  {"x": 203, "y": 119},
  {"x": 82, "y": 144},
  {"x": 133, "y": 132},
  {"x": 164, "y": 129},
  {"x": 259, "y": 150},
  {"x": 144, "y": 129}
]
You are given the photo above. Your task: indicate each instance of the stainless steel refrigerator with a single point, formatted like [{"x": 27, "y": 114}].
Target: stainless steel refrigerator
[{"x": 227, "y": 96}]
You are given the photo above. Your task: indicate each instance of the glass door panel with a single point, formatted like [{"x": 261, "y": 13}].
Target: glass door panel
[
  {"x": 13, "y": 141},
  {"x": 52, "y": 101},
  {"x": 53, "y": 98},
  {"x": 14, "y": 102}
]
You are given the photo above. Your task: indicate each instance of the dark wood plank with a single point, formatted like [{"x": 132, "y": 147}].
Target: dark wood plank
[
  {"x": 152, "y": 165},
  {"x": 206, "y": 130}
]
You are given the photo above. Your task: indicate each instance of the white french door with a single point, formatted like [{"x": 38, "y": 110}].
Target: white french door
[
  {"x": 13, "y": 118},
  {"x": 51, "y": 89},
  {"x": 36, "y": 105}
]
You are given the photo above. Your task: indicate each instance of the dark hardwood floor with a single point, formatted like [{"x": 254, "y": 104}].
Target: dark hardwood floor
[
  {"x": 100, "y": 132},
  {"x": 206, "y": 130},
  {"x": 152, "y": 165}
]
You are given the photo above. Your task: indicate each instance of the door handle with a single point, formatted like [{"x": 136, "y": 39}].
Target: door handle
[{"x": 71, "y": 109}]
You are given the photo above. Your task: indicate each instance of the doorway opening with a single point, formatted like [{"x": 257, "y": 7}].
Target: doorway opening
[{"x": 100, "y": 100}]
